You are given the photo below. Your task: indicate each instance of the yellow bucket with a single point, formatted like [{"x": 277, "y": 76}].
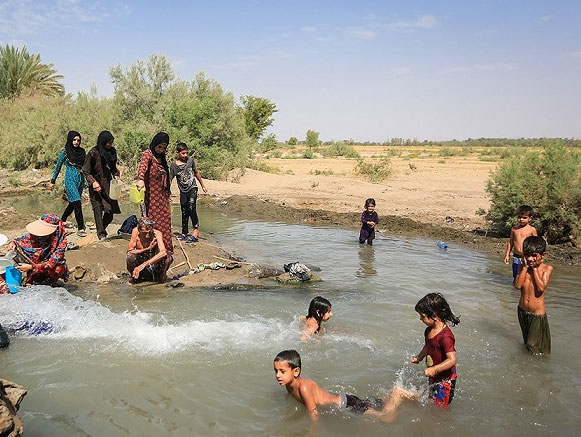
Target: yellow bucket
[{"x": 136, "y": 195}]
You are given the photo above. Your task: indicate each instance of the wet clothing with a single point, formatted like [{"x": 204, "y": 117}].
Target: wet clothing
[
  {"x": 535, "y": 331},
  {"x": 185, "y": 174},
  {"x": 442, "y": 392},
  {"x": 188, "y": 206},
  {"x": 517, "y": 260},
  {"x": 46, "y": 254},
  {"x": 157, "y": 203},
  {"x": 438, "y": 346},
  {"x": 367, "y": 232},
  {"x": 360, "y": 405},
  {"x": 101, "y": 166},
  {"x": 155, "y": 272}
]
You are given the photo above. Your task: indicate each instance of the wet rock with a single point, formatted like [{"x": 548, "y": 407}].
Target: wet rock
[
  {"x": 11, "y": 395},
  {"x": 289, "y": 279},
  {"x": 259, "y": 271}
]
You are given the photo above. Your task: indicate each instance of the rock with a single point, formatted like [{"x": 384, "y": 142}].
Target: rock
[
  {"x": 287, "y": 278},
  {"x": 259, "y": 271},
  {"x": 11, "y": 395}
]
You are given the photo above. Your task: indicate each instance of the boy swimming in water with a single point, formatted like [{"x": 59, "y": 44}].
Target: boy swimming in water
[
  {"x": 523, "y": 229},
  {"x": 532, "y": 281},
  {"x": 287, "y": 370}
]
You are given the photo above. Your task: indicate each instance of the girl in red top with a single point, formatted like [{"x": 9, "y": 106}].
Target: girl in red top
[{"x": 439, "y": 350}]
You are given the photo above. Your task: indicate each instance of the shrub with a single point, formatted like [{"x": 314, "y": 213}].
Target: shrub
[
  {"x": 268, "y": 143},
  {"x": 258, "y": 165},
  {"x": 308, "y": 154},
  {"x": 340, "y": 149},
  {"x": 549, "y": 181},
  {"x": 374, "y": 171},
  {"x": 292, "y": 141}
]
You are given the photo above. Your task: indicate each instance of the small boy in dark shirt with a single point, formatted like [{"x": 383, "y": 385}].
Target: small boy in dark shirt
[{"x": 185, "y": 171}]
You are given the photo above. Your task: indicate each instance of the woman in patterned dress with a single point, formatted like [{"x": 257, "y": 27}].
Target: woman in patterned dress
[
  {"x": 73, "y": 157},
  {"x": 153, "y": 174}
]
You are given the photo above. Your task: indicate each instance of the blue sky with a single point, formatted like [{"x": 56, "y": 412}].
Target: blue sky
[{"x": 367, "y": 70}]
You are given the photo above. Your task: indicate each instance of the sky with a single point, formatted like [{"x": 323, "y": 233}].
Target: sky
[{"x": 363, "y": 70}]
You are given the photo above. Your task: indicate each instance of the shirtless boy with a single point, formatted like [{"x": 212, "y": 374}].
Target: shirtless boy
[
  {"x": 532, "y": 281},
  {"x": 287, "y": 370},
  {"x": 523, "y": 229}
]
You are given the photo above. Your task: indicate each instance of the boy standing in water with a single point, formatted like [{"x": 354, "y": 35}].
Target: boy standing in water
[
  {"x": 524, "y": 215},
  {"x": 532, "y": 281},
  {"x": 287, "y": 370},
  {"x": 185, "y": 171}
]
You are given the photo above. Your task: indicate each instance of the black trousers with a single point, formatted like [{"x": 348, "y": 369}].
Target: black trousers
[
  {"x": 188, "y": 205},
  {"x": 78, "y": 209},
  {"x": 102, "y": 220}
]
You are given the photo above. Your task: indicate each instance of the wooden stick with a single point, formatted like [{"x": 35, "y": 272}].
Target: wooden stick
[
  {"x": 231, "y": 260},
  {"x": 43, "y": 181},
  {"x": 176, "y": 266},
  {"x": 185, "y": 254}
]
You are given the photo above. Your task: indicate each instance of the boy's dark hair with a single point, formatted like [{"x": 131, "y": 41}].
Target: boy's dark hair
[
  {"x": 291, "y": 357},
  {"x": 181, "y": 146},
  {"x": 434, "y": 304},
  {"x": 525, "y": 209},
  {"x": 370, "y": 201},
  {"x": 534, "y": 244},
  {"x": 318, "y": 308}
]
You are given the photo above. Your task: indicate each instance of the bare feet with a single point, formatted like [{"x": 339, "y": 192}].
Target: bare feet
[{"x": 396, "y": 397}]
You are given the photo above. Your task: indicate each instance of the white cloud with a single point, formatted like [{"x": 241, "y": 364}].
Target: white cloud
[
  {"x": 492, "y": 66},
  {"x": 422, "y": 22},
  {"x": 308, "y": 29},
  {"x": 29, "y": 17},
  {"x": 360, "y": 33}
]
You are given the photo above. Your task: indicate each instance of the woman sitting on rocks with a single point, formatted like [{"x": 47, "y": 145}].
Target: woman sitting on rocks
[{"x": 147, "y": 257}]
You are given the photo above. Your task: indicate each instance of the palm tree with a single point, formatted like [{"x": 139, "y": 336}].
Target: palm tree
[{"x": 21, "y": 70}]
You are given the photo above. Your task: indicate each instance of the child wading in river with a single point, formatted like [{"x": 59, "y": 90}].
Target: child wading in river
[
  {"x": 319, "y": 312},
  {"x": 523, "y": 229},
  {"x": 532, "y": 281},
  {"x": 439, "y": 350},
  {"x": 369, "y": 220},
  {"x": 185, "y": 171}
]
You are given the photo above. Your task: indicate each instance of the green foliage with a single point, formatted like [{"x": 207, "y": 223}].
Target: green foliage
[
  {"x": 257, "y": 164},
  {"x": 20, "y": 70},
  {"x": 549, "y": 181},
  {"x": 257, "y": 113},
  {"x": 309, "y": 154},
  {"x": 340, "y": 149},
  {"x": 374, "y": 171},
  {"x": 269, "y": 143},
  {"x": 292, "y": 141},
  {"x": 312, "y": 139}
]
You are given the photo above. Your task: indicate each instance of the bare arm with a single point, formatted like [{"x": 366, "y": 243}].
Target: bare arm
[
  {"x": 509, "y": 247},
  {"x": 132, "y": 246},
  {"x": 199, "y": 178},
  {"x": 521, "y": 276},
  {"x": 308, "y": 398},
  {"x": 541, "y": 279},
  {"x": 447, "y": 364},
  {"x": 419, "y": 357}
]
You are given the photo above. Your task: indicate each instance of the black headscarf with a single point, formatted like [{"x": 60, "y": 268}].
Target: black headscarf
[
  {"x": 109, "y": 155},
  {"x": 161, "y": 138},
  {"x": 75, "y": 155}
]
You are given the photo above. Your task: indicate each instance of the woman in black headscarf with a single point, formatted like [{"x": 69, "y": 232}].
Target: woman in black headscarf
[
  {"x": 100, "y": 168},
  {"x": 73, "y": 157},
  {"x": 153, "y": 174}
]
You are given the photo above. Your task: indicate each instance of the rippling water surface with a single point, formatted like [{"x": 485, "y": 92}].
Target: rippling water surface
[{"x": 121, "y": 361}]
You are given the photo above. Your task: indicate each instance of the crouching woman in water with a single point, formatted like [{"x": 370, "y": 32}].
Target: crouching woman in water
[
  {"x": 41, "y": 252},
  {"x": 147, "y": 257}
]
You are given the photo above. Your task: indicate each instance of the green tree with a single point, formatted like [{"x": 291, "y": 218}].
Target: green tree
[
  {"x": 257, "y": 112},
  {"x": 20, "y": 70},
  {"x": 292, "y": 141},
  {"x": 549, "y": 181},
  {"x": 312, "y": 138},
  {"x": 140, "y": 87}
]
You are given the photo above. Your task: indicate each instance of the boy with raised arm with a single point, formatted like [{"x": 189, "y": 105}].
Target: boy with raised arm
[
  {"x": 532, "y": 281},
  {"x": 523, "y": 229},
  {"x": 287, "y": 371}
]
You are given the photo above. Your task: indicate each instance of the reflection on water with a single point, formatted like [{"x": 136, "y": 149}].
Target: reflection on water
[
  {"x": 366, "y": 261},
  {"x": 199, "y": 362}
]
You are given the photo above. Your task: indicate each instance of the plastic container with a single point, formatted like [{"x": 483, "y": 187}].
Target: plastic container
[
  {"x": 13, "y": 278},
  {"x": 115, "y": 189},
  {"x": 442, "y": 244},
  {"x": 5, "y": 262},
  {"x": 136, "y": 195}
]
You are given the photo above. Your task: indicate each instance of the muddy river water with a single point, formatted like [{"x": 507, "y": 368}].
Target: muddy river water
[{"x": 108, "y": 361}]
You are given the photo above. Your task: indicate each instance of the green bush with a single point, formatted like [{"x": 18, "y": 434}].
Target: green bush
[
  {"x": 268, "y": 143},
  {"x": 340, "y": 149},
  {"x": 549, "y": 181},
  {"x": 374, "y": 171},
  {"x": 308, "y": 154}
]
